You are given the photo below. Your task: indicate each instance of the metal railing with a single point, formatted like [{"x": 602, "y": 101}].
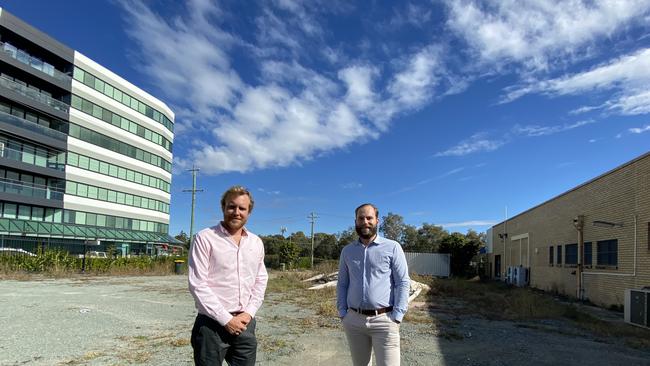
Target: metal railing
[
  {"x": 55, "y": 130},
  {"x": 30, "y": 189},
  {"x": 46, "y": 160},
  {"x": 32, "y": 61},
  {"x": 34, "y": 94}
]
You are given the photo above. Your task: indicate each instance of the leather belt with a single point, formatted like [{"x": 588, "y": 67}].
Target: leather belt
[{"x": 372, "y": 312}]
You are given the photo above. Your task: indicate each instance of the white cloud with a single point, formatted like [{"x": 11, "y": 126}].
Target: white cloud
[
  {"x": 269, "y": 192},
  {"x": 470, "y": 223},
  {"x": 428, "y": 180},
  {"x": 278, "y": 110},
  {"x": 534, "y": 130},
  {"x": 478, "y": 142},
  {"x": 481, "y": 142},
  {"x": 351, "y": 185},
  {"x": 541, "y": 32},
  {"x": 638, "y": 130},
  {"x": 627, "y": 76},
  {"x": 415, "y": 83},
  {"x": 412, "y": 14}
]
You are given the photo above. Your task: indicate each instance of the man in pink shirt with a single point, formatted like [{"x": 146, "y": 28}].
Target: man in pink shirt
[{"x": 227, "y": 279}]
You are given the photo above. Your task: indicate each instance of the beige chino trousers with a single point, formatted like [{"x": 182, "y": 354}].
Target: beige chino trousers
[{"x": 376, "y": 333}]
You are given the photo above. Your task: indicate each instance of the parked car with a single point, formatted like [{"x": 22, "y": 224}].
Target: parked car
[
  {"x": 16, "y": 251},
  {"x": 95, "y": 254}
]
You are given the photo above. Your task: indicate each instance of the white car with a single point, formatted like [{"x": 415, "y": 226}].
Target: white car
[
  {"x": 94, "y": 254},
  {"x": 16, "y": 251}
]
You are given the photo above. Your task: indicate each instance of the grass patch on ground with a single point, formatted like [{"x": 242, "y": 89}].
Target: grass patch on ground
[{"x": 498, "y": 301}]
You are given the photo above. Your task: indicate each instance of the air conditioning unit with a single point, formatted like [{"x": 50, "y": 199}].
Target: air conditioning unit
[
  {"x": 2, "y": 149},
  {"x": 637, "y": 307},
  {"x": 520, "y": 277}
]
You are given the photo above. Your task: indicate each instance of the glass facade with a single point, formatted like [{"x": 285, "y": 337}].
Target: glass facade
[
  {"x": 117, "y": 146},
  {"x": 118, "y": 95},
  {"x": 107, "y": 116},
  {"x": 32, "y": 92},
  {"x": 112, "y": 170},
  {"x": 30, "y": 185},
  {"x": 108, "y": 195},
  {"x": 32, "y": 61},
  {"x": 31, "y": 154},
  {"x": 11, "y": 210},
  {"x": 33, "y": 121}
]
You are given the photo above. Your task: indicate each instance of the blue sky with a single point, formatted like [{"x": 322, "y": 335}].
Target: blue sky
[{"x": 444, "y": 112}]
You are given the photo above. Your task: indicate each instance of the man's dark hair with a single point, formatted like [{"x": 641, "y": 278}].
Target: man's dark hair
[{"x": 356, "y": 211}]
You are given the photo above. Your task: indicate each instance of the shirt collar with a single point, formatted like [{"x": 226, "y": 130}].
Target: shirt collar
[
  {"x": 378, "y": 240},
  {"x": 222, "y": 230}
]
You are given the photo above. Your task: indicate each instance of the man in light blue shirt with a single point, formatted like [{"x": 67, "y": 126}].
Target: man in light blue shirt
[{"x": 372, "y": 292}]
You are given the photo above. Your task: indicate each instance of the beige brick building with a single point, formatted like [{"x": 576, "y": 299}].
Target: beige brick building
[{"x": 614, "y": 210}]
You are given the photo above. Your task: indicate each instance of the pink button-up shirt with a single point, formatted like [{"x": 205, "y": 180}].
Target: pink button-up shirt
[{"x": 225, "y": 277}]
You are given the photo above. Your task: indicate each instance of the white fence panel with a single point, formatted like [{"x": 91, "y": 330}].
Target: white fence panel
[{"x": 432, "y": 264}]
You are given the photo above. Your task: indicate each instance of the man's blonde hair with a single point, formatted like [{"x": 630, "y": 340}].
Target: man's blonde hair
[{"x": 236, "y": 191}]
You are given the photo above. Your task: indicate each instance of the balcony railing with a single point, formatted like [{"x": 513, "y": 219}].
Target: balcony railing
[
  {"x": 34, "y": 94},
  {"x": 55, "y": 130},
  {"x": 34, "y": 62},
  {"x": 30, "y": 189}
]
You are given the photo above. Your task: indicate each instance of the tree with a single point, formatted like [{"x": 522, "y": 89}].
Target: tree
[
  {"x": 392, "y": 226},
  {"x": 302, "y": 241},
  {"x": 288, "y": 252},
  {"x": 271, "y": 243},
  {"x": 345, "y": 237},
  {"x": 410, "y": 238},
  {"x": 462, "y": 251},
  {"x": 429, "y": 237},
  {"x": 183, "y": 238},
  {"x": 324, "y": 246}
]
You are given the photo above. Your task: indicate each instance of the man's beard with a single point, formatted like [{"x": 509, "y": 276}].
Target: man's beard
[
  {"x": 366, "y": 232},
  {"x": 233, "y": 226}
]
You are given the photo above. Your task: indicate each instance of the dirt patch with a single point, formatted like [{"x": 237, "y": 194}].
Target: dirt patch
[{"x": 147, "y": 320}]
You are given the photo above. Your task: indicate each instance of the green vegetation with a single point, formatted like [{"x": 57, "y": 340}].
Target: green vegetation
[{"x": 57, "y": 262}]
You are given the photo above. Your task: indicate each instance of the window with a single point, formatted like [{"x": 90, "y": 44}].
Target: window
[
  {"x": 24, "y": 212},
  {"x": 607, "y": 252},
  {"x": 587, "y": 254},
  {"x": 559, "y": 255},
  {"x": 10, "y": 210},
  {"x": 571, "y": 254}
]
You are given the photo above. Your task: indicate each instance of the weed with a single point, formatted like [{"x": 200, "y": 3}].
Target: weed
[{"x": 180, "y": 342}]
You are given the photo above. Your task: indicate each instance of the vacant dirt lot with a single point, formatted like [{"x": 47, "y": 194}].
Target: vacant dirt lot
[{"x": 146, "y": 320}]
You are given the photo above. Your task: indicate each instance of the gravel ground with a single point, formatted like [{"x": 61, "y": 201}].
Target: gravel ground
[{"x": 147, "y": 320}]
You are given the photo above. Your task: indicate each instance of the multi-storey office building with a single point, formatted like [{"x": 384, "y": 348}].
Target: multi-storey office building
[{"x": 84, "y": 154}]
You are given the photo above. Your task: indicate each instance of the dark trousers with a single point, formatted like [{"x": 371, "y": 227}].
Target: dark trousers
[{"x": 212, "y": 344}]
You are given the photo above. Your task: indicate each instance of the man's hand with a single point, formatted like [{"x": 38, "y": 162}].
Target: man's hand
[{"x": 238, "y": 324}]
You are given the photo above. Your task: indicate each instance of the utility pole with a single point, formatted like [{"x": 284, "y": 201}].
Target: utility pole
[
  {"x": 193, "y": 190},
  {"x": 312, "y": 218}
]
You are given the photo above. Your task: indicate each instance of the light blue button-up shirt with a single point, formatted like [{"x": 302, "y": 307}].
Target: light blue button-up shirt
[{"x": 373, "y": 277}]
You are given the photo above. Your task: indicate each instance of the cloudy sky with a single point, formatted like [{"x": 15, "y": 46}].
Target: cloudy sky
[{"x": 444, "y": 112}]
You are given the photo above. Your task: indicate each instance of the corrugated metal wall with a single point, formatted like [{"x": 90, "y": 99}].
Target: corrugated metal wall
[{"x": 433, "y": 264}]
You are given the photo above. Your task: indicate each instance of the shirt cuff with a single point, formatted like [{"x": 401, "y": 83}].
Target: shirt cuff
[
  {"x": 251, "y": 310},
  {"x": 397, "y": 315},
  {"x": 224, "y": 317}
]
